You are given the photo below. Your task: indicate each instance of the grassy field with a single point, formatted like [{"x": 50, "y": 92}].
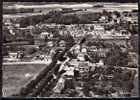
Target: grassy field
[{"x": 14, "y": 77}]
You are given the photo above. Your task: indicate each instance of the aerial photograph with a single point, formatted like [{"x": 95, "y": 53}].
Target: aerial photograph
[{"x": 70, "y": 49}]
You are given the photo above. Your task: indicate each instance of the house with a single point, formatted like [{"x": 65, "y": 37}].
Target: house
[
  {"x": 100, "y": 63},
  {"x": 84, "y": 69},
  {"x": 102, "y": 52},
  {"x": 13, "y": 55},
  {"x": 39, "y": 39},
  {"x": 62, "y": 43},
  {"x": 43, "y": 35},
  {"x": 134, "y": 59},
  {"x": 102, "y": 19},
  {"x": 98, "y": 27},
  {"x": 92, "y": 48},
  {"x": 7, "y": 23},
  {"x": 134, "y": 40},
  {"x": 50, "y": 44},
  {"x": 134, "y": 13}
]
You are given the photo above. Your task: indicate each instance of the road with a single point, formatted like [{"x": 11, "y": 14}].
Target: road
[{"x": 26, "y": 63}]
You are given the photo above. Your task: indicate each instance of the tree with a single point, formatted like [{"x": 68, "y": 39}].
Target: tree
[
  {"x": 116, "y": 57},
  {"x": 30, "y": 38},
  {"x": 117, "y": 13},
  {"x": 7, "y": 36},
  {"x": 105, "y": 13}
]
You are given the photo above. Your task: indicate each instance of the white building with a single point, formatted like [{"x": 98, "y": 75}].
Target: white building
[
  {"x": 43, "y": 35},
  {"x": 98, "y": 27},
  {"x": 13, "y": 55}
]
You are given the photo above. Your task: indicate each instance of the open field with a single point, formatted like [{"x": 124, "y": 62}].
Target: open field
[{"x": 14, "y": 77}]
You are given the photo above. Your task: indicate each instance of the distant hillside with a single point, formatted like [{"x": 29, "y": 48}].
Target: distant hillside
[
  {"x": 41, "y": 3},
  {"x": 120, "y": 1},
  {"x": 23, "y": 3}
]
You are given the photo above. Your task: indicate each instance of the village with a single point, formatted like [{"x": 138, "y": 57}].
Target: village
[{"x": 95, "y": 59}]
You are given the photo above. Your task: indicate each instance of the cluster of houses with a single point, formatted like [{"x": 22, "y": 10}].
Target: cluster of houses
[{"x": 96, "y": 31}]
